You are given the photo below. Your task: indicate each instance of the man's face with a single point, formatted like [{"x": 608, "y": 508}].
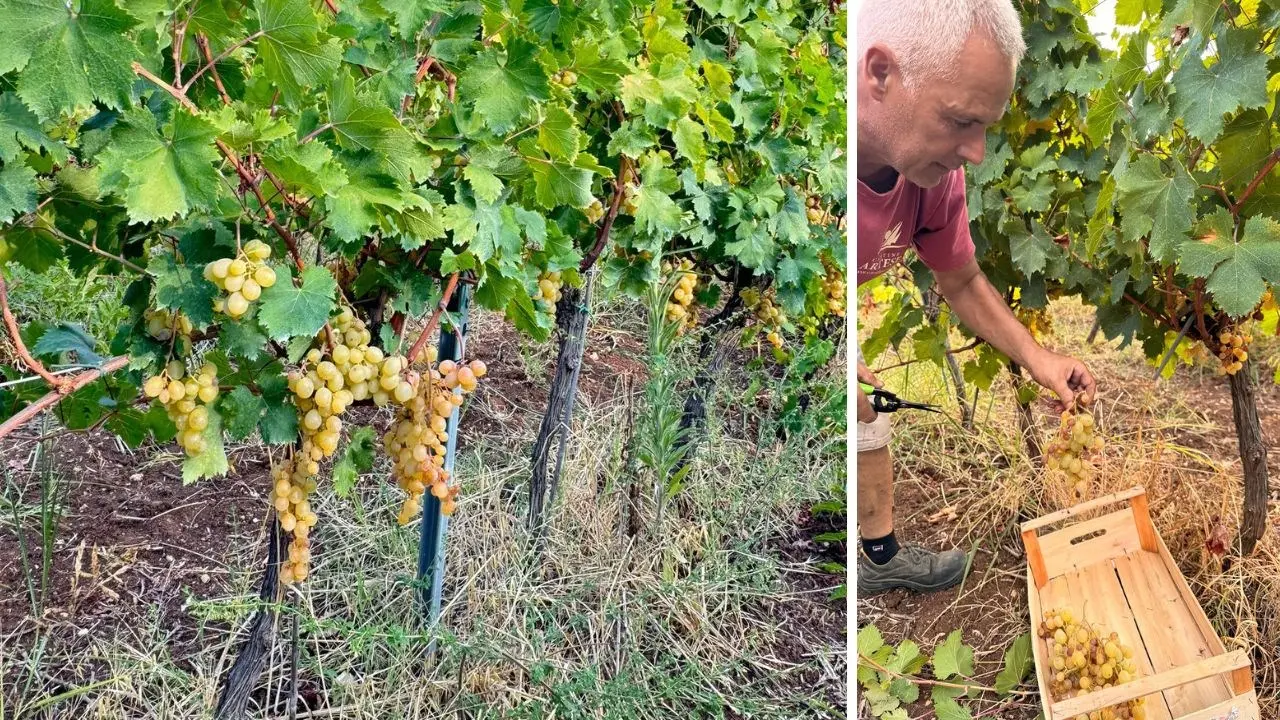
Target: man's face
[{"x": 939, "y": 124}]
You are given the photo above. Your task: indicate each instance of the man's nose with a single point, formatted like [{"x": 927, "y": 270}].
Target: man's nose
[{"x": 972, "y": 151}]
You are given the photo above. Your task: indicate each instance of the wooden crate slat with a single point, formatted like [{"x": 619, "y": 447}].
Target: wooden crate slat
[
  {"x": 1246, "y": 704},
  {"x": 1112, "y": 611},
  {"x": 1170, "y": 633},
  {"x": 1120, "y": 537},
  {"x": 1207, "y": 667},
  {"x": 1197, "y": 613}
]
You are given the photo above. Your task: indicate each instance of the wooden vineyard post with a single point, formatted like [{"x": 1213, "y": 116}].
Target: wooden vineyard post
[{"x": 434, "y": 522}]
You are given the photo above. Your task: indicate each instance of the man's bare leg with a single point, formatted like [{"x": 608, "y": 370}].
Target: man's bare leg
[
  {"x": 883, "y": 564},
  {"x": 875, "y": 493}
]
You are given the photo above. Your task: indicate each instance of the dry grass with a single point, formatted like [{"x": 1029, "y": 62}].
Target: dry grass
[
  {"x": 692, "y": 619},
  {"x": 1157, "y": 436}
]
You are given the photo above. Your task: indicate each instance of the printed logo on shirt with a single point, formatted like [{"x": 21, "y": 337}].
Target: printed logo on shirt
[
  {"x": 891, "y": 238},
  {"x": 892, "y": 248}
]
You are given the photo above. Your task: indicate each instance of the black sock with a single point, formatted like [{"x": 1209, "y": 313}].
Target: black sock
[{"x": 880, "y": 550}]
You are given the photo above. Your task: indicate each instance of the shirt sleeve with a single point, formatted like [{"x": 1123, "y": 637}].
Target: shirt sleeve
[{"x": 944, "y": 242}]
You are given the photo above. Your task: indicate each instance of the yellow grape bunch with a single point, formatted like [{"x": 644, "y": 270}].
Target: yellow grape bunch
[
  {"x": 185, "y": 398},
  {"x": 1071, "y": 451},
  {"x": 549, "y": 285},
  {"x": 1084, "y": 659},
  {"x": 163, "y": 325},
  {"x": 595, "y": 211},
  {"x": 416, "y": 440},
  {"x": 1037, "y": 322},
  {"x": 816, "y": 214},
  {"x": 327, "y": 383},
  {"x": 680, "y": 306},
  {"x": 833, "y": 286},
  {"x": 1233, "y": 351},
  {"x": 768, "y": 315},
  {"x": 242, "y": 278}
]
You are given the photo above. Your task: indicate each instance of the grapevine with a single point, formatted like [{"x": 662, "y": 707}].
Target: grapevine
[{"x": 1086, "y": 659}]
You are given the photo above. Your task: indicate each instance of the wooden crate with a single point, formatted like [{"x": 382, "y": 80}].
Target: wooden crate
[{"x": 1115, "y": 571}]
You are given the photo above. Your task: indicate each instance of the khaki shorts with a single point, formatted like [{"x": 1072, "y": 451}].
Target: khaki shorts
[{"x": 877, "y": 433}]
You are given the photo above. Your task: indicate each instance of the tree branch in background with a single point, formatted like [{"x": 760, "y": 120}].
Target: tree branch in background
[
  {"x": 602, "y": 235},
  {"x": 435, "y": 318},
  {"x": 202, "y": 42},
  {"x": 11, "y": 326},
  {"x": 26, "y": 414},
  {"x": 1266, "y": 168}
]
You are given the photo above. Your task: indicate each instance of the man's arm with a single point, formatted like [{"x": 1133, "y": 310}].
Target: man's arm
[{"x": 984, "y": 311}]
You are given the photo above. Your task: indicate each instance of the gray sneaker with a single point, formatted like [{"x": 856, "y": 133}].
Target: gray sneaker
[{"x": 914, "y": 568}]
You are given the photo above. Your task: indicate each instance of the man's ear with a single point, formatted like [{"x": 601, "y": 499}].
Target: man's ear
[{"x": 881, "y": 71}]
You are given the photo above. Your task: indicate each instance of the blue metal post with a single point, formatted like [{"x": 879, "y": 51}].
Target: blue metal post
[{"x": 434, "y": 523}]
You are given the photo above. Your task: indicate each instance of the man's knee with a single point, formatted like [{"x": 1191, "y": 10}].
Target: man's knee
[{"x": 875, "y": 435}]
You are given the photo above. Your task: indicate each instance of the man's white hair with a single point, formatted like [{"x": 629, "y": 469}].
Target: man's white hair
[{"x": 926, "y": 36}]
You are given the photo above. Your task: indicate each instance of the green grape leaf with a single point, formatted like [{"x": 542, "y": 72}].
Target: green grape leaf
[
  {"x": 503, "y": 87},
  {"x": 183, "y": 287},
  {"x": 1017, "y": 663},
  {"x": 292, "y": 53},
  {"x": 1102, "y": 218},
  {"x": 162, "y": 175},
  {"x": 133, "y": 426},
  {"x": 1129, "y": 12},
  {"x": 242, "y": 410},
  {"x": 68, "y": 337},
  {"x": 557, "y": 184},
  {"x": 559, "y": 135},
  {"x": 691, "y": 145},
  {"x": 20, "y": 128},
  {"x": 84, "y": 407},
  {"x": 17, "y": 191},
  {"x": 1237, "y": 80},
  {"x": 243, "y": 339},
  {"x": 953, "y": 658},
  {"x": 1244, "y": 144},
  {"x": 632, "y": 139},
  {"x": 1152, "y": 202},
  {"x": 754, "y": 248},
  {"x": 412, "y": 15},
  {"x": 907, "y": 658},
  {"x": 310, "y": 168},
  {"x": 359, "y": 123},
  {"x": 213, "y": 461},
  {"x": 279, "y": 426},
  {"x": 287, "y": 311},
  {"x": 486, "y": 185},
  {"x": 70, "y": 55},
  {"x": 1028, "y": 250},
  {"x": 1242, "y": 273},
  {"x": 357, "y": 457},
  {"x": 1104, "y": 108}
]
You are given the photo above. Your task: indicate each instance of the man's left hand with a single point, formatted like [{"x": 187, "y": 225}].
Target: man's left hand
[{"x": 1065, "y": 376}]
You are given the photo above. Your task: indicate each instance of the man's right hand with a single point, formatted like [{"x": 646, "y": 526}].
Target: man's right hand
[{"x": 866, "y": 414}]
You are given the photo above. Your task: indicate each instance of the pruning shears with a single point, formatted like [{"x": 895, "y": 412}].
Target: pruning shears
[{"x": 883, "y": 401}]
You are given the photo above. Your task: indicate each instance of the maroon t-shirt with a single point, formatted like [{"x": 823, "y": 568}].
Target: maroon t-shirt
[{"x": 935, "y": 222}]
